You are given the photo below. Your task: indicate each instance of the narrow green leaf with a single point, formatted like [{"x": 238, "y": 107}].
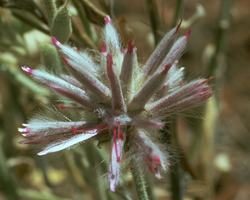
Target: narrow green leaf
[{"x": 50, "y": 8}]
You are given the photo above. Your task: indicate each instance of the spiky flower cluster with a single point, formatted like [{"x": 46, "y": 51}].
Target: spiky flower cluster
[{"x": 127, "y": 102}]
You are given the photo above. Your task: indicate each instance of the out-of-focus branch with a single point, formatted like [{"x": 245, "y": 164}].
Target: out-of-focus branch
[
  {"x": 176, "y": 174},
  {"x": 7, "y": 184},
  {"x": 82, "y": 15},
  {"x": 82, "y": 37},
  {"x": 220, "y": 37},
  {"x": 94, "y": 14},
  {"x": 25, "y": 5},
  {"x": 214, "y": 67},
  {"x": 30, "y": 20},
  {"x": 154, "y": 19}
]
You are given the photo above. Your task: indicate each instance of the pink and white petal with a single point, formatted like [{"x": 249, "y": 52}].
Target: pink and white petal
[
  {"x": 111, "y": 36},
  {"x": 129, "y": 64},
  {"x": 115, "y": 85},
  {"x": 155, "y": 159},
  {"x": 90, "y": 82},
  {"x": 45, "y": 127},
  {"x": 60, "y": 86},
  {"x": 112, "y": 41},
  {"x": 116, "y": 154},
  {"x": 160, "y": 51},
  {"x": 173, "y": 81},
  {"x": 71, "y": 80},
  {"x": 152, "y": 85},
  {"x": 114, "y": 174},
  {"x": 39, "y": 139},
  {"x": 175, "y": 77},
  {"x": 181, "y": 93},
  {"x": 196, "y": 99},
  {"x": 176, "y": 51},
  {"x": 82, "y": 59},
  {"x": 64, "y": 144}
]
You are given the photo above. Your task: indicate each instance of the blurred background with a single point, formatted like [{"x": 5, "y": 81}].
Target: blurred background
[{"x": 211, "y": 150}]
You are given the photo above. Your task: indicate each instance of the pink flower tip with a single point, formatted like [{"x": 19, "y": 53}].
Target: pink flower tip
[
  {"x": 156, "y": 160},
  {"x": 103, "y": 48},
  {"x": 27, "y": 69},
  {"x": 187, "y": 33},
  {"x": 107, "y": 20},
  {"x": 65, "y": 60},
  {"x": 55, "y": 42},
  {"x": 131, "y": 46},
  {"x": 61, "y": 106},
  {"x": 23, "y": 130},
  {"x": 166, "y": 68}
]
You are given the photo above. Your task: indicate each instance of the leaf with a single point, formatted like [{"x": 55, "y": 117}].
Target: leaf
[
  {"x": 50, "y": 8},
  {"x": 50, "y": 57},
  {"x": 61, "y": 25}
]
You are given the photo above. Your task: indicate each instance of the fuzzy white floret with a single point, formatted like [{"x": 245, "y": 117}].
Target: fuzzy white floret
[
  {"x": 175, "y": 77},
  {"x": 82, "y": 59},
  {"x": 111, "y": 38},
  {"x": 155, "y": 149},
  {"x": 36, "y": 125},
  {"x": 115, "y": 165},
  {"x": 47, "y": 78}
]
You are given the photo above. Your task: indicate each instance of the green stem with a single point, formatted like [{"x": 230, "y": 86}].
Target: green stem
[
  {"x": 94, "y": 14},
  {"x": 176, "y": 172},
  {"x": 140, "y": 182},
  {"x": 178, "y": 11},
  {"x": 176, "y": 182},
  {"x": 31, "y": 21},
  {"x": 154, "y": 19},
  {"x": 85, "y": 22},
  {"x": 220, "y": 37},
  {"x": 91, "y": 170},
  {"x": 7, "y": 184},
  {"x": 82, "y": 37}
]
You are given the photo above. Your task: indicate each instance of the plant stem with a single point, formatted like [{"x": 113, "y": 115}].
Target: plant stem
[
  {"x": 176, "y": 182},
  {"x": 154, "y": 19},
  {"x": 86, "y": 24},
  {"x": 94, "y": 14},
  {"x": 31, "y": 21},
  {"x": 176, "y": 172},
  {"x": 83, "y": 38},
  {"x": 140, "y": 182},
  {"x": 220, "y": 37},
  {"x": 178, "y": 11},
  {"x": 7, "y": 184}
]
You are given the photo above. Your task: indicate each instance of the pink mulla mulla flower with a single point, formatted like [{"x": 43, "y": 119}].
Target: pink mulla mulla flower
[{"x": 127, "y": 101}]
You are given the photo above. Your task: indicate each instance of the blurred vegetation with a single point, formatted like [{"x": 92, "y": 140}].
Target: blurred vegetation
[{"x": 209, "y": 146}]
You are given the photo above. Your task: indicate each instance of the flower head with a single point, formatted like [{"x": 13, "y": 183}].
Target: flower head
[{"x": 126, "y": 101}]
